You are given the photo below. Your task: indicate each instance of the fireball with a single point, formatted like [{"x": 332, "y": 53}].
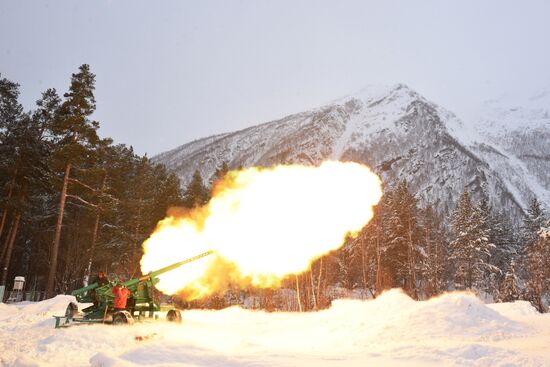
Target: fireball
[{"x": 263, "y": 224}]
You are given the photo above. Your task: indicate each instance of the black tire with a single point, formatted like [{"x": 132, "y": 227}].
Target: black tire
[
  {"x": 71, "y": 311},
  {"x": 122, "y": 318},
  {"x": 174, "y": 316}
]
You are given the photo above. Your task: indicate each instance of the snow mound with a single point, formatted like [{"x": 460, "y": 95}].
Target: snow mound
[
  {"x": 461, "y": 315},
  {"x": 453, "y": 329},
  {"x": 456, "y": 315},
  {"x": 35, "y": 311},
  {"x": 515, "y": 310}
]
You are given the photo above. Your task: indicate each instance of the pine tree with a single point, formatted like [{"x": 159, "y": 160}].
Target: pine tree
[
  {"x": 47, "y": 109},
  {"x": 76, "y": 135},
  {"x": 141, "y": 202},
  {"x": 11, "y": 113},
  {"x": 470, "y": 250},
  {"x": 433, "y": 267},
  {"x": 220, "y": 172},
  {"x": 10, "y": 108},
  {"x": 485, "y": 228},
  {"x": 346, "y": 262},
  {"x": 402, "y": 234},
  {"x": 100, "y": 201},
  {"x": 196, "y": 194},
  {"x": 167, "y": 193},
  {"x": 31, "y": 249},
  {"x": 533, "y": 222},
  {"x": 368, "y": 247},
  {"x": 28, "y": 171},
  {"x": 506, "y": 244},
  {"x": 510, "y": 290},
  {"x": 538, "y": 269},
  {"x": 23, "y": 152}
]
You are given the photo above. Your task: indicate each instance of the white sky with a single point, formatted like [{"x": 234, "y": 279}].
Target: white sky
[{"x": 172, "y": 71}]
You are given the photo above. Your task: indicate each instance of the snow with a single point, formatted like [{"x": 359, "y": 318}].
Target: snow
[
  {"x": 377, "y": 109},
  {"x": 511, "y": 112},
  {"x": 455, "y": 329},
  {"x": 516, "y": 127},
  {"x": 501, "y": 149}
]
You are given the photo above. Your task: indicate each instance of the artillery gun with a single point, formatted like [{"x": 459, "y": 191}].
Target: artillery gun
[{"x": 140, "y": 301}]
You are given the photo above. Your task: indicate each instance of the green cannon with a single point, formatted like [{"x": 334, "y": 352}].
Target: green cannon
[{"x": 141, "y": 302}]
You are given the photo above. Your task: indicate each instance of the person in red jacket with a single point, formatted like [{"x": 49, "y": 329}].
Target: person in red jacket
[{"x": 121, "y": 296}]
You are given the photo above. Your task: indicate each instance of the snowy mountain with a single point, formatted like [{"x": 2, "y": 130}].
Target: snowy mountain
[
  {"x": 402, "y": 136},
  {"x": 521, "y": 131}
]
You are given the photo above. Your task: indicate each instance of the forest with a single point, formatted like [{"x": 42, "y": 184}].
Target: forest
[
  {"x": 73, "y": 204},
  {"x": 410, "y": 247}
]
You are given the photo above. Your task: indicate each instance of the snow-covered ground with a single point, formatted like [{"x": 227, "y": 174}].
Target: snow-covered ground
[{"x": 455, "y": 329}]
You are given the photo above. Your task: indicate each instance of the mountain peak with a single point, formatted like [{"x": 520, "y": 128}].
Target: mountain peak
[{"x": 373, "y": 94}]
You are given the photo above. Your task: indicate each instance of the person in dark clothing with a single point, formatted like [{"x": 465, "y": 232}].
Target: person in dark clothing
[{"x": 101, "y": 279}]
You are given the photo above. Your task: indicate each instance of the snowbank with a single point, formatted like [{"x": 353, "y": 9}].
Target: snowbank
[{"x": 453, "y": 329}]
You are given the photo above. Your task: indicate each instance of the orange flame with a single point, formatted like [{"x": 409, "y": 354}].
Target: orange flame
[{"x": 263, "y": 225}]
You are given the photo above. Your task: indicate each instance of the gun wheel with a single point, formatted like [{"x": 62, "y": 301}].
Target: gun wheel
[
  {"x": 71, "y": 311},
  {"x": 122, "y": 318},
  {"x": 174, "y": 316}
]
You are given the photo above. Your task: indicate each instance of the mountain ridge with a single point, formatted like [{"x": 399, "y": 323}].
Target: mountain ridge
[{"x": 396, "y": 131}]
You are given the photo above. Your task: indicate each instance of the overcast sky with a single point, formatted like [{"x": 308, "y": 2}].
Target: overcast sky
[{"x": 172, "y": 71}]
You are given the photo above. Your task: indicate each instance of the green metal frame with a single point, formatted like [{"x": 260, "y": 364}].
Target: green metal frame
[{"x": 141, "y": 298}]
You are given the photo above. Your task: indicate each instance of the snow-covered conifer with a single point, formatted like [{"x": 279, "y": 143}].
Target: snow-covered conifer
[
  {"x": 538, "y": 269},
  {"x": 196, "y": 193},
  {"x": 533, "y": 222},
  {"x": 510, "y": 289},
  {"x": 402, "y": 237},
  {"x": 470, "y": 249},
  {"x": 434, "y": 264}
]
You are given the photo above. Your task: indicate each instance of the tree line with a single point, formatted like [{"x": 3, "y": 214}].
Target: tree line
[
  {"x": 72, "y": 203},
  {"x": 411, "y": 247},
  {"x": 479, "y": 249}
]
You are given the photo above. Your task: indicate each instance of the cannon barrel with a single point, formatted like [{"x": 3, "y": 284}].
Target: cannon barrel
[
  {"x": 82, "y": 293},
  {"x": 154, "y": 274}
]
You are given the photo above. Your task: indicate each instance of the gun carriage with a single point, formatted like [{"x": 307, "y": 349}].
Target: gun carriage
[{"x": 141, "y": 302}]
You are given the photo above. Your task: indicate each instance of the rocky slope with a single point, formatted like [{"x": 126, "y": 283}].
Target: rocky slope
[{"x": 402, "y": 136}]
